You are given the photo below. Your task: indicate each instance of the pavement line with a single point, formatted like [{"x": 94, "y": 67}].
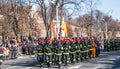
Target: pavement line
[
  {"x": 75, "y": 67},
  {"x": 13, "y": 67},
  {"x": 32, "y": 55},
  {"x": 27, "y": 68},
  {"x": 97, "y": 67}
]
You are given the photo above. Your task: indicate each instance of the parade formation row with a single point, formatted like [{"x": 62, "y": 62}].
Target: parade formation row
[
  {"x": 66, "y": 51},
  {"x": 112, "y": 44}
]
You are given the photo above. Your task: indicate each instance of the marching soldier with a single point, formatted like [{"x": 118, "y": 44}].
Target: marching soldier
[
  {"x": 117, "y": 44},
  {"x": 78, "y": 49},
  {"x": 73, "y": 51},
  {"x": 114, "y": 44},
  {"x": 58, "y": 53},
  {"x": 39, "y": 51},
  {"x": 97, "y": 48},
  {"x": 85, "y": 49},
  {"x": 108, "y": 45},
  {"x": 54, "y": 43},
  {"x": 111, "y": 45},
  {"x": 82, "y": 49},
  {"x": 1, "y": 55},
  {"x": 105, "y": 45},
  {"x": 94, "y": 50},
  {"x": 90, "y": 43},
  {"x": 66, "y": 46},
  {"x": 48, "y": 52}
]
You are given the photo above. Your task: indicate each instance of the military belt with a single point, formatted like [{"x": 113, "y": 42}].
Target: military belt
[
  {"x": 65, "y": 53},
  {"x": 58, "y": 54},
  {"x": 48, "y": 53},
  {"x": 82, "y": 52},
  {"x": 72, "y": 52},
  {"x": 77, "y": 50},
  {"x": 86, "y": 51},
  {"x": 90, "y": 49},
  {"x": 40, "y": 53}
]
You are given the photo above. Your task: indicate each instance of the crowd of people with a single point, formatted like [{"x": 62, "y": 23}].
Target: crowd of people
[
  {"x": 12, "y": 48},
  {"x": 56, "y": 51},
  {"x": 52, "y": 51},
  {"x": 112, "y": 44},
  {"x": 66, "y": 50}
]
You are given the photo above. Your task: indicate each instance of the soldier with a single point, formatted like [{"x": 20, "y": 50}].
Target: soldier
[
  {"x": 58, "y": 53},
  {"x": 39, "y": 51},
  {"x": 1, "y": 55},
  {"x": 86, "y": 48},
  {"x": 90, "y": 43},
  {"x": 54, "y": 43},
  {"x": 94, "y": 49},
  {"x": 117, "y": 44},
  {"x": 105, "y": 44},
  {"x": 73, "y": 51},
  {"x": 78, "y": 49},
  {"x": 108, "y": 45},
  {"x": 48, "y": 52},
  {"x": 97, "y": 48},
  {"x": 111, "y": 44},
  {"x": 66, "y": 45},
  {"x": 82, "y": 49}
]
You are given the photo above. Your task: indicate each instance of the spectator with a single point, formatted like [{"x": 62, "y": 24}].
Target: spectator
[
  {"x": 24, "y": 47},
  {"x": 7, "y": 53},
  {"x": 14, "y": 50}
]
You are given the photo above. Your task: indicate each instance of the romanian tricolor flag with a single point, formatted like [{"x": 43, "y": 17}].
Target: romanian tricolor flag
[
  {"x": 53, "y": 30},
  {"x": 65, "y": 29}
]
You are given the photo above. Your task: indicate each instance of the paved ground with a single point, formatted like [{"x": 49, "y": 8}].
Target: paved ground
[{"x": 107, "y": 60}]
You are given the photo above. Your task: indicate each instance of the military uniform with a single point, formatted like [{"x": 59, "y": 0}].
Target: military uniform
[
  {"x": 39, "y": 51},
  {"x": 82, "y": 50},
  {"x": 78, "y": 51},
  {"x": 86, "y": 51},
  {"x": 90, "y": 48},
  {"x": 48, "y": 52},
  {"x": 73, "y": 51},
  {"x": 118, "y": 44},
  {"x": 97, "y": 48},
  {"x": 66, "y": 47},
  {"x": 58, "y": 53},
  {"x": 108, "y": 45},
  {"x": 1, "y": 55}
]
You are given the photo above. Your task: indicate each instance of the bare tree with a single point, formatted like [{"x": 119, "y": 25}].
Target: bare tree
[
  {"x": 14, "y": 14},
  {"x": 92, "y": 4},
  {"x": 46, "y": 5}
]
